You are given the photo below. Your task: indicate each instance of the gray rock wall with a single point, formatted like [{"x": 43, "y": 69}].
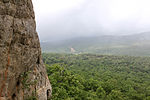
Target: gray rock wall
[{"x": 22, "y": 72}]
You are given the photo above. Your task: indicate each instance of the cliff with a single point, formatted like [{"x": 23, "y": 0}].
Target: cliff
[{"x": 22, "y": 72}]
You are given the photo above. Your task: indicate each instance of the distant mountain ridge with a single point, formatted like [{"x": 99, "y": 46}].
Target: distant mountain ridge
[{"x": 134, "y": 45}]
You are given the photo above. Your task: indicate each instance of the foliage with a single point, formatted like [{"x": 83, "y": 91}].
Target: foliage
[
  {"x": 26, "y": 83},
  {"x": 98, "y": 77},
  {"x": 32, "y": 97}
]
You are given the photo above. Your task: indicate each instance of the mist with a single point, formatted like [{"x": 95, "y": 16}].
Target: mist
[{"x": 58, "y": 20}]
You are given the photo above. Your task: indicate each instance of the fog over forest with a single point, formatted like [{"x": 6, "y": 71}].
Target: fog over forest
[{"x": 61, "y": 19}]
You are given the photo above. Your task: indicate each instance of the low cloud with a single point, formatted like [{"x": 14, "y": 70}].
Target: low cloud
[{"x": 91, "y": 18}]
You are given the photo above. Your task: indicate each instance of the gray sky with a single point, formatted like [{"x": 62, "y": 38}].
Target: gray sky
[{"x": 59, "y": 19}]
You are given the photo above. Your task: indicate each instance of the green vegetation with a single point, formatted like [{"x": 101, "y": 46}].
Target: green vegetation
[
  {"x": 32, "y": 97},
  {"x": 26, "y": 83},
  {"x": 98, "y": 77}
]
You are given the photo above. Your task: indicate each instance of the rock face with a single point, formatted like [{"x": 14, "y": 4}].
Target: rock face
[{"x": 22, "y": 72}]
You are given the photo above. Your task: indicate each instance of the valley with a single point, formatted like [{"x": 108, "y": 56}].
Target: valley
[{"x": 98, "y": 77}]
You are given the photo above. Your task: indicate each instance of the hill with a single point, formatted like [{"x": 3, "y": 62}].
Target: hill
[{"x": 135, "y": 45}]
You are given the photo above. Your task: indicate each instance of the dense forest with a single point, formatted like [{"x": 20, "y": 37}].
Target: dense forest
[{"x": 98, "y": 77}]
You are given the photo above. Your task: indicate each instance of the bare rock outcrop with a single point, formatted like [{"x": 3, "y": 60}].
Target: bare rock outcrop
[{"x": 22, "y": 72}]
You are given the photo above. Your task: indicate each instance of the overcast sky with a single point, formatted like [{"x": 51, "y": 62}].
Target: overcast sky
[{"x": 59, "y": 19}]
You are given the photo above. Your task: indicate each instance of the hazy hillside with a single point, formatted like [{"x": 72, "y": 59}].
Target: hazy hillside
[{"x": 135, "y": 45}]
